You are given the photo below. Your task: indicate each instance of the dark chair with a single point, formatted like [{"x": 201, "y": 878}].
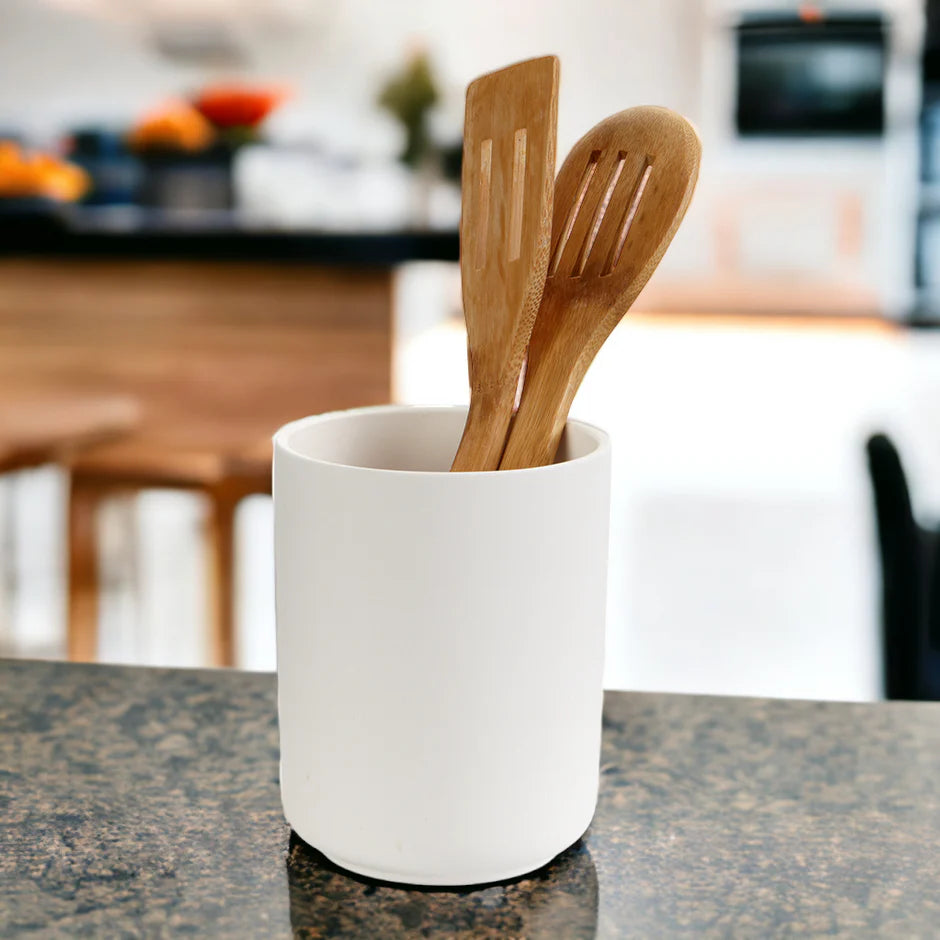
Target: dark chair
[{"x": 910, "y": 579}]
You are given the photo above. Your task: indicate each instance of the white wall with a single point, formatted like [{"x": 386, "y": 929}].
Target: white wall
[{"x": 58, "y": 67}]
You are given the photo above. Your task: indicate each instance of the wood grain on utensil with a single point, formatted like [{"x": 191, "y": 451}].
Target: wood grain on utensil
[
  {"x": 505, "y": 233},
  {"x": 619, "y": 199}
]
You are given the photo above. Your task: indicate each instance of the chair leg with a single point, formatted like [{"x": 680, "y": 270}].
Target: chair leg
[
  {"x": 84, "y": 499},
  {"x": 221, "y": 544}
]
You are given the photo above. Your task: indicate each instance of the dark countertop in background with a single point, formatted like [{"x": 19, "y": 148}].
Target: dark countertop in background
[
  {"x": 140, "y": 235},
  {"x": 141, "y": 802}
]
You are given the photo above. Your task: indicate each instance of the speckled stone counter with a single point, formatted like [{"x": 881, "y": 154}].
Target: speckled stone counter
[{"x": 144, "y": 803}]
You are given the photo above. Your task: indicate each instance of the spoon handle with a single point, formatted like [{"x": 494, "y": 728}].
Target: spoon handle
[{"x": 537, "y": 427}]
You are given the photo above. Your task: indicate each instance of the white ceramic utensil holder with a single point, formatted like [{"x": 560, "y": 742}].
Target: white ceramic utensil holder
[{"x": 440, "y": 642}]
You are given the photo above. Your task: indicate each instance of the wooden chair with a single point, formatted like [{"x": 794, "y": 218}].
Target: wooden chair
[
  {"x": 38, "y": 428},
  {"x": 225, "y": 477}
]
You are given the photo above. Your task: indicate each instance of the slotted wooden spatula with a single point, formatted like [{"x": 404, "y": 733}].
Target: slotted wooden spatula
[
  {"x": 619, "y": 199},
  {"x": 505, "y": 233}
]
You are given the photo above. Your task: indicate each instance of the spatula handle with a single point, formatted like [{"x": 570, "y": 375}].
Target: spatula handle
[{"x": 484, "y": 434}]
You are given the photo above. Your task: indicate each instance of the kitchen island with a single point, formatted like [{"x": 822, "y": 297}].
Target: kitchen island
[
  {"x": 144, "y": 802},
  {"x": 218, "y": 331}
]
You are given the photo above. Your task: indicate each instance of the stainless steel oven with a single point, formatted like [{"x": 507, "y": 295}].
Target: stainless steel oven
[{"x": 810, "y": 74}]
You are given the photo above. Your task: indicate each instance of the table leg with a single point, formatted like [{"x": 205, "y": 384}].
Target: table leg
[
  {"x": 84, "y": 499},
  {"x": 220, "y": 536}
]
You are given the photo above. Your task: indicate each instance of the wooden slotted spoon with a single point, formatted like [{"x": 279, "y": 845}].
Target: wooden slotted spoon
[
  {"x": 505, "y": 235},
  {"x": 619, "y": 199}
]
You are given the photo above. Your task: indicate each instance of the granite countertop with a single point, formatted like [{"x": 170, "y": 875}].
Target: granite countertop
[{"x": 144, "y": 802}]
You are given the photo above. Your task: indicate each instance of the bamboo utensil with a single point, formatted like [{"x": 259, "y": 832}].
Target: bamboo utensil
[
  {"x": 619, "y": 199},
  {"x": 505, "y": 233}
]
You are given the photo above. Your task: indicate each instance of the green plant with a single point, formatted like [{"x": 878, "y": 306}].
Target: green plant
[{"x": 409, "y": 96}]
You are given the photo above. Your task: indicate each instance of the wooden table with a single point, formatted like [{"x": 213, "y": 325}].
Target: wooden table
[{"x": 43, "y": 428}]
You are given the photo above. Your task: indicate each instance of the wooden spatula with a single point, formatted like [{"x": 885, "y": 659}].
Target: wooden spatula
[
  {"x": 505, "y": 234},
  {"x": 619, "y": 199}
]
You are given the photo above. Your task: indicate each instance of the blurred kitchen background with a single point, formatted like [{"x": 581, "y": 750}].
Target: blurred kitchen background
[{"x": 216, "y": 215}]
